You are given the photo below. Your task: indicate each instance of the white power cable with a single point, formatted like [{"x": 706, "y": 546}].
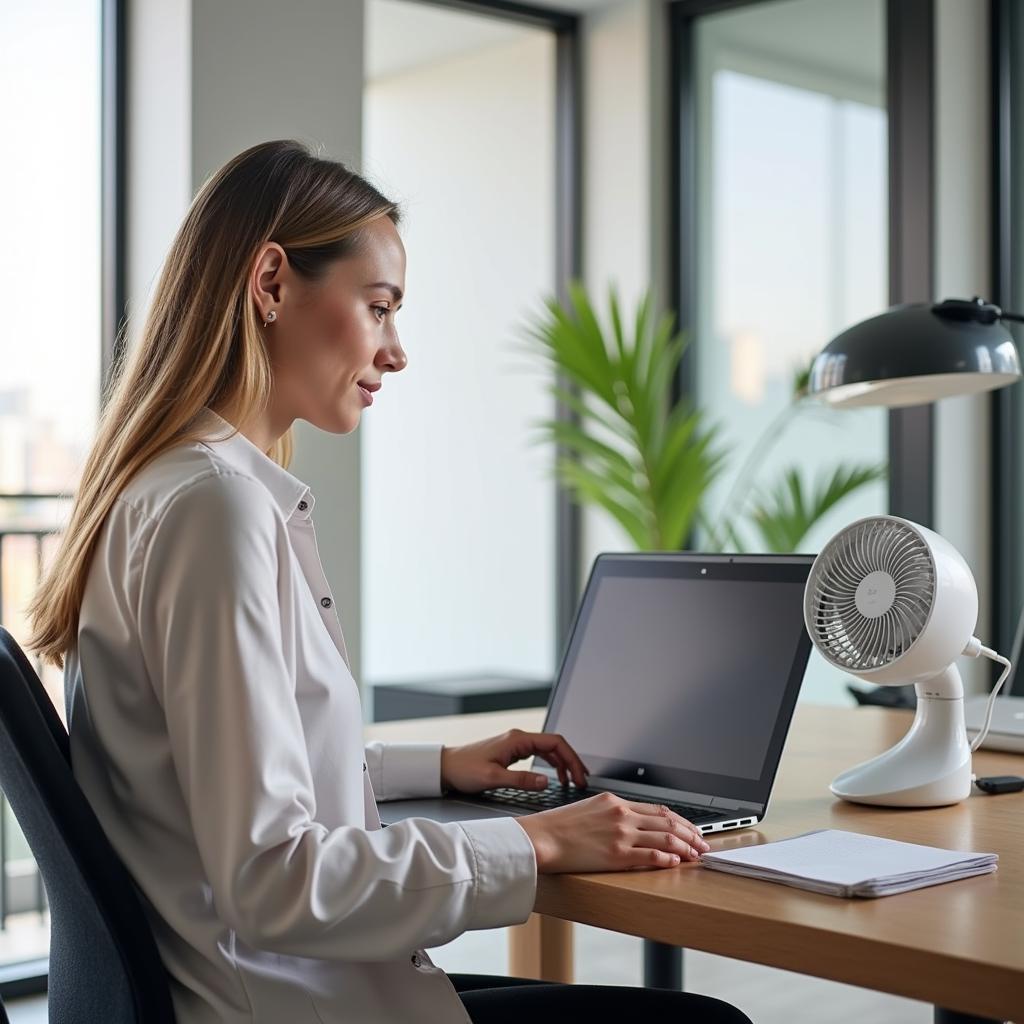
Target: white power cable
[{"x": 1005, "y": 662}]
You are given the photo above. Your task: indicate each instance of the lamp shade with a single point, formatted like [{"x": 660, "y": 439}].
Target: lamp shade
[{"x": 917, "y": 353}]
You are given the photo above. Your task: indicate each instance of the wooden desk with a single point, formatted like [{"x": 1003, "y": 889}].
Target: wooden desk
[{"x": 959, "y": 946}]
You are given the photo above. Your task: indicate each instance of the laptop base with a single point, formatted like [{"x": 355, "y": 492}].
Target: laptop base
[{"x": 466, "y": 808}]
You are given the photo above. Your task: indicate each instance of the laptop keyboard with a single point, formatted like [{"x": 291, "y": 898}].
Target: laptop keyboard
[{"x": 557, "y": 796}]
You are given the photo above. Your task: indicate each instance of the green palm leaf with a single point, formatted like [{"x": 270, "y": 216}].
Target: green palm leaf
[
  {"x": 785, "y": 514},
  {"x": 651, "y": 463}
]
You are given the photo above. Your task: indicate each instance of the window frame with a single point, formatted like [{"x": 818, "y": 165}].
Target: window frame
[
  {"x": 114, "y": 190},
  {"x": 1007, "y": 415}
]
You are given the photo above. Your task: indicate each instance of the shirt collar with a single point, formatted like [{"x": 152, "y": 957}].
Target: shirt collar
[{"x": 235, "y": 448}]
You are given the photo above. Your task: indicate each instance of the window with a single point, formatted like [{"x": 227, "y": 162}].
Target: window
[
  {"x": 50, "y": 67},
  {"x": 49, "y": 397}
]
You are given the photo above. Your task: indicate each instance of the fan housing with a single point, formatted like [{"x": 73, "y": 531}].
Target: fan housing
[{"x": 890, "y": 601}]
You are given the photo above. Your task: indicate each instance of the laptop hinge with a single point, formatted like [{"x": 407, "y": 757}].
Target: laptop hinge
[
  {"x": 655, "y": 795},
  {"x": 652, "y": 794},
  {"x": 721, "y": 804}
]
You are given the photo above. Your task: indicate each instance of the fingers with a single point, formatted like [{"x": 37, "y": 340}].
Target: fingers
[
  {"x": 559, "y": 765},
  {"x": 520, "y": 780},
  {"x": 674, "y": 825},
  {"x": 555, "y": 749},
  {"x": 645, "y": 859},
  {"x": 651, "y": 834},
  {"x": 667, "y": 842},
  {"x": 661, "y": 811}
]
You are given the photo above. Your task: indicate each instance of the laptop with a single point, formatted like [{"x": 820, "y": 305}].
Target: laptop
[
  {"x": 1007, "y": 729},
  {"x": 677, "y": 687}
]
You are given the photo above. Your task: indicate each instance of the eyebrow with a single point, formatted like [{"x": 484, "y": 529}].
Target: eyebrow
[{"x": 396, "y": 292}]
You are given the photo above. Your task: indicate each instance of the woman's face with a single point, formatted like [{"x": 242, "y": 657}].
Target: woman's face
[{"x": 333, "y": 339}]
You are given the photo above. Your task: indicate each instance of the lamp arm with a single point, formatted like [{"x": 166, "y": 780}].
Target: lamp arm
[{"x": 1016, "y": 317}]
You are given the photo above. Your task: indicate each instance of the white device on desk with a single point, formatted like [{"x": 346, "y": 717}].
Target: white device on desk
[{"x": 893, "y": 603}]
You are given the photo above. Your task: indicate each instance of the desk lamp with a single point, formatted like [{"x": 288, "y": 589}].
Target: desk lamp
[{"x": 918, "y": 353}]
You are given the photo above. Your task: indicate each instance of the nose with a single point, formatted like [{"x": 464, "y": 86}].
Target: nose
[{"x": 392, "y": 358}]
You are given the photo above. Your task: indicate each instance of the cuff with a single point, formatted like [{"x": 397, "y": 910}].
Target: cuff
[
  {"x": 505, "y": 870},
  {"x": 404, "y": 770}
]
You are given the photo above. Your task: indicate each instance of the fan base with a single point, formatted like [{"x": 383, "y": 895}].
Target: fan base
[{"x": 930, "y": 766}]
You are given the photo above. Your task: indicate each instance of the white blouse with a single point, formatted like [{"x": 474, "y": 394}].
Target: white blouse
[{"x": 216, "y": 731}]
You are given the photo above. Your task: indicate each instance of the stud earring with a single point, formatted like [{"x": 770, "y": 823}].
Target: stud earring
[{"x": 271, "y": 317}]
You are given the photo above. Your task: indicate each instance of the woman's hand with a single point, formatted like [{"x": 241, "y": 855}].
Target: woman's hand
[
  {"x": 607, "y": 833},
  {"x": 484, "y": 765}
]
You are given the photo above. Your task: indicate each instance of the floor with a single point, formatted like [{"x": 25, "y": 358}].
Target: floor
[{"x": 767, "y": 996}]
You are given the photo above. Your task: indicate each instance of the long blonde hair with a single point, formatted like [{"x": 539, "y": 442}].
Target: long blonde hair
[{"x": 202, "y": 343}]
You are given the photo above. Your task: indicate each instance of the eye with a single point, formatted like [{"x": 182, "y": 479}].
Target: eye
[{"x": 378, "y": 311}]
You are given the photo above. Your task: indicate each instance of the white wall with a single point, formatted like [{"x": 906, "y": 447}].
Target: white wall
[
  {"x": 963, "y": 441},
  {"x": 208, "y": 79},
  {"x": 458, "y": 505}
]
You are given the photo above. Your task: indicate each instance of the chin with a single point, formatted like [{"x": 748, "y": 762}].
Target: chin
[
  {"x": 337, "y": 421},
  {"x": 346, "y": 420}
]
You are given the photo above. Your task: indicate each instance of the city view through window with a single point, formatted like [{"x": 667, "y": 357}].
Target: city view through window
[{"x": 50, "y": 56}]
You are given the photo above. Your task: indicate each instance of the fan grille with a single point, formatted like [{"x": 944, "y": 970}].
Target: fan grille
[{"x": 885, "y": 549}]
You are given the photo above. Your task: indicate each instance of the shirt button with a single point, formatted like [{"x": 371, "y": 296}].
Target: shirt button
[
  {"x": 326, "y": 602},
  {"x": 416, "y": 961},
  {"x": 303, "y": 505}
]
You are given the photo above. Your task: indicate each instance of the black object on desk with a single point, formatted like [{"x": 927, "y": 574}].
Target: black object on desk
[
  {"x": 1000, "y": 784},
  {"x": 457, "y": 695}
]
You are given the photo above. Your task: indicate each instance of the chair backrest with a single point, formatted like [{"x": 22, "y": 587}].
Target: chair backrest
[{"x": 104, "y": 964}]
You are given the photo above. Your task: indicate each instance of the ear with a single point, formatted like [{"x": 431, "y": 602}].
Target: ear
[{"x": 265, "y": 281}]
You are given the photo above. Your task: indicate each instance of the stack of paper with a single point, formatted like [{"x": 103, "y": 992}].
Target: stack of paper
[{"x": 849, "y": 864}]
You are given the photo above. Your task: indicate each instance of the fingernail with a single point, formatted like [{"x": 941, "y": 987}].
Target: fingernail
[
  {"x": 675, "y": 858},
  {"x": 540, "y": 781}
]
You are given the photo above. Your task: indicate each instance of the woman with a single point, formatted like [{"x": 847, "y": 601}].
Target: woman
[{"x": 215, "y": 727}]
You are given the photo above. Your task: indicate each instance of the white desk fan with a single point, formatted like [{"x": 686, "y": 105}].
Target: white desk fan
[{"x": 892, "y": 603}]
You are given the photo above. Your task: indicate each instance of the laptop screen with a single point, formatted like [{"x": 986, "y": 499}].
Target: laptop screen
[{"x": 682, "y": 671}]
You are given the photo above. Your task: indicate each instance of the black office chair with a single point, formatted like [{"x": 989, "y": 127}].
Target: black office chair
[{"x": 104, "y": 964}]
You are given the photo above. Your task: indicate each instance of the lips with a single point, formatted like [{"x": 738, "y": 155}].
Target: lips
[{"x": 366, "y": 389}]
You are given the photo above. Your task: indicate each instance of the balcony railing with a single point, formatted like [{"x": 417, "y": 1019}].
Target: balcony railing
[{"x": 28, "y": 523}]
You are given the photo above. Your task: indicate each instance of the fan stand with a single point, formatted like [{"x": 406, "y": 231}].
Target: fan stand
[{"x": 930, "y": 766}]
